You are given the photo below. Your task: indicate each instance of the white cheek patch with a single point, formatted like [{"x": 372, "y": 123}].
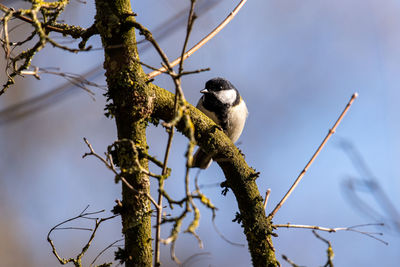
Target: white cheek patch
[{"x": 226, "y": 96}]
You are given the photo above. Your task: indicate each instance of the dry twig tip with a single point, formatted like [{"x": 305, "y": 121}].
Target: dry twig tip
[{"x": 266, "y": 198}]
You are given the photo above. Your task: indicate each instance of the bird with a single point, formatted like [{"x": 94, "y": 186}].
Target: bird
[{"x": 222, "y": 103}]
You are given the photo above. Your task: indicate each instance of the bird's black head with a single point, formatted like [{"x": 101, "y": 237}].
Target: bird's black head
[
  {"x": 218, "y": 84},
  {"x": 219, "y": 93}
]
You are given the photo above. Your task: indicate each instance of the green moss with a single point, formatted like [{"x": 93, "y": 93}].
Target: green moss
[
  {"x": 239, "y": 177},
  {"x": 130, "y": 102}
]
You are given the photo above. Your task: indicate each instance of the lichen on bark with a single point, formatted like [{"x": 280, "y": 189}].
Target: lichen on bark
[{"x": 130, "y": 102}]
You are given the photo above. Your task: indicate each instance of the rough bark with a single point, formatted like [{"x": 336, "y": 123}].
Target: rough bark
[{"x": 130, "y": 104}]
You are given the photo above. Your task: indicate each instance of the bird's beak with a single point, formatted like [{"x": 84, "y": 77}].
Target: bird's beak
[{"x": 204, "y": 91}]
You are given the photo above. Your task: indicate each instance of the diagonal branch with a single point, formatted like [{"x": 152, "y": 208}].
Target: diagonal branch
[
  {"x": 202, "y": 41},
  {"x": 239, "y": 176},
  {"x": 303, "y": 172}
]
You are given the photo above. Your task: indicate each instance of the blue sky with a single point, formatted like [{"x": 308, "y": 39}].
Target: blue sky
[{"x": 296, "y": 63}]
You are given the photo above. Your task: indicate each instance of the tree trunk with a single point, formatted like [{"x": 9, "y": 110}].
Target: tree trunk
[{"x": 129, "y": 104}]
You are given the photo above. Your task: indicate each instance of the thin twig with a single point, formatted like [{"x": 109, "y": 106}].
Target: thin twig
[
  {"x": 329, "y": 251},
  {"x": 303, "y": 172},
  {"x": 202, "y": 41},
  {"x": 83, "y": 215},
  {"x": 193, "y": 71},
  {"x": 195, "y": 257},
  {"x": 179, "y": 112},
  {"x": 104, "y": 250},
  {"x": 189, "y": 27},
  {"x": 222, "y": 235},
  {"x": 110, "y": 165},
  {"x": 285, "y": 258},
  {"x": 160, "y": 199},
  {"x": 74, "y": 228},
  {"x": 75, "y": 79},
  {"x": 334, "y": 230}
]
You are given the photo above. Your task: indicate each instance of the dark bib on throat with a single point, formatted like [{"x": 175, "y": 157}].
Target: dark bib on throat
[{"x": 212, "y": 104}]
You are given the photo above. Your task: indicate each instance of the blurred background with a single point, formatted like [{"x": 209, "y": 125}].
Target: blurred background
[{"x": 296, "y": 63}]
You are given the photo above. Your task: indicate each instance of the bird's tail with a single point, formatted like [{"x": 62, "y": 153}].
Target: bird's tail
[{"x": 201, "y": 159}]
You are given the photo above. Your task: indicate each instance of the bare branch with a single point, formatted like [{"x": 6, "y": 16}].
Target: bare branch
[
  {"x": 105, "y": 249},
  {"x": 180, "y": 112},
  {"x": 202, "y": 41},
  {"x": 329, "y": 251},
  {"x": 303, "y": 172},
  {"x": 77, "y": 261},
  {"x": 223, "y": 236},
  {"x": 194, "y": 71},
  {"x": 334, "y": 230},
  {"x": 196, "y": 257},
  {"x": 110, "y": 165},
  {"x": 75, "y": 79},
  {"x": 285, "y": 258}
]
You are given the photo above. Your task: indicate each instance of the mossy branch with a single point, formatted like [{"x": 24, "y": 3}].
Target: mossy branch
[{"x": 240, "y": 177}]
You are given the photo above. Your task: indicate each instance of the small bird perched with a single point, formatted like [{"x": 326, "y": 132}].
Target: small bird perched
[{"x": 222, "y": 103}]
